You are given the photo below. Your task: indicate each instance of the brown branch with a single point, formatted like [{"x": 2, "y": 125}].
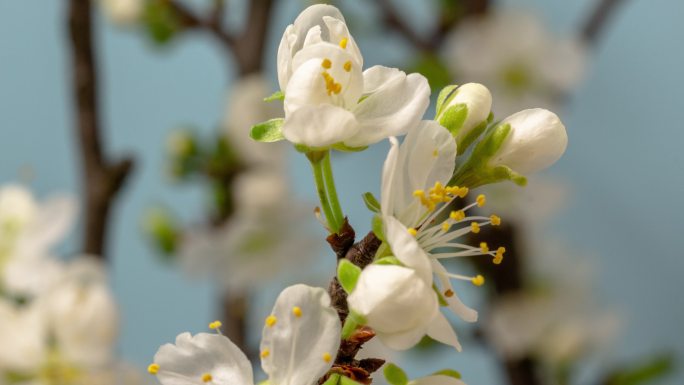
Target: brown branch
[
  {"x": 598, "y": 19},
  {"x": 102, "y": 179}
]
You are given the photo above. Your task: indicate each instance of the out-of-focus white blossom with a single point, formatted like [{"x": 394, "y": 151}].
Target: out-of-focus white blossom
[
  {"x": 123, "y": 12},
  {"x": 514, "y": 54}
]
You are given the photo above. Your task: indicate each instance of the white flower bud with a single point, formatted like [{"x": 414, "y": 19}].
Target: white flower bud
[
  {"x": 396, "y": 302},
  {"x": 477, "y": 99},
  {"x": 123, "y": 12},
  {"x": 536, "y": 141}
]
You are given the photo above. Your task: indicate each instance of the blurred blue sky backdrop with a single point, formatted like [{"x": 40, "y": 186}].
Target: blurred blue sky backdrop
[{"x": 624, "y": 159}]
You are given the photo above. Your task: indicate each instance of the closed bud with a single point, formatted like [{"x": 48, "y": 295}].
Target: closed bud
[{"x": 466, "y": 109}]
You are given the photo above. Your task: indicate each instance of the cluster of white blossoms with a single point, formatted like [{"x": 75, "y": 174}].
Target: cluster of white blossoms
[
  {"x": 423, "y": 217},
  {"x": 58, "y": 321}
]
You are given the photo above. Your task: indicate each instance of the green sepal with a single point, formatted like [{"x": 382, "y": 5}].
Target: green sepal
[
  {"x": 652, "y": 369},
  {"x": 453, "y": 118},
  {"x": 371, "y": 202},
  {"x": 388, "y": 260},
  {"x": 348, "y": 274},
  {"x": 449, "y": 373},
  {"x": 358, "y": 318},
  {"x": 348, "y": 381},
  {"x": 470, "y": 138},
  {"x": 278, "y": 95},
  {"x": 344, "y": 148},
  {"x": 444, "y": 94},
  {"x": 268, "y": 131},
  {"x": 377, "y": 227},
  {"x": 350, "y": 325},
  {"x": 395, "y": 375},
  {"x": 334, "y": 379},
  {"x": 440, "y": 297}
]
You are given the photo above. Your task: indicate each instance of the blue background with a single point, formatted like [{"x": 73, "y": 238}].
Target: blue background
[{"x": 624, "y": 159}]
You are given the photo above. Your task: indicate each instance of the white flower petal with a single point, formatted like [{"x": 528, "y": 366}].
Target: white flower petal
[
  {"x": 23, "y": 332},
  {"x": 402, "y": 340},
  {"x": 194, "y": 356},
  {"x": 455, "y": 304},
  {"x": 319, "y": 126},
  {"x": 406, "y": 248},
  {"x": 377, "y": 76},
  {"x": 440, "y": 330},
  {"x": 477, "y": 99},
  {"x": 437, "y": 380},
  {"x": 389, "y": 173},
  {"x": 301, "y": 344},
  {"x": 284, "y": 58},
  {"x": 338, "y": 31},
  {"x": 56, "y": 217},
  {"x": 392, "y": 110}
]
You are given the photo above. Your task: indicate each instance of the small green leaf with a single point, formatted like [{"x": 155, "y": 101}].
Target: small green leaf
[
  {"x": 268, "y": 131},
  {"x": 278, "y": 95},
  {"x": 395, "y": 375},
  {"x": 444, "y": 94},
  {"x": 471, "y": 137},
  {"x": 641, "y": 373},
  {"x": 377, "y": 227},
  {"x": 371, "y": 202},
  {"x": 161, "y": 22},
  {"x": 389, "y": 260},
  {"x": 334, "y": 379},
  {"x": 344, "y": 148},
  {"x": 453, "y": 118},
  {"x": 449, "y": 373},
  {"x": 348, "y": 381},
  {"x": 356, "y": 317},
  {"x": 349, "y": 327},
  {"x": 348, "y": 274}
]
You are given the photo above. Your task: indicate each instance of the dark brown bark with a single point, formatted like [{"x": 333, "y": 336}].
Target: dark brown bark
[{"x": 102, "y": 179}]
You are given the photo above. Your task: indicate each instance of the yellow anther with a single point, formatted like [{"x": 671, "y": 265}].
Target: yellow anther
[
  {"x": 327, "y": 64},
  {"x": 435, "y": 153},
  {"x": 475, "y": 227},
  {"x": 419, "y": 193},
  {"x": 449, "y": 293},
  {"x": 327, "y": 357},
  {"x": 271, "y": 320},
  {"x": 478, "y": 280},
  {"x": 495, "y": 220},
  {"x": 265, "y": 353},
  {"x": 412, "y": 231},
  {"x": 153, "y": 369},
  {"x": 206, "y": 377},
  {"x": 463, "y": 191},
  {"x": 438, "y": 189},
  {"x": 348, "y": 65},
  {"x": 498, "y": 258},
  {"x": 457, "y": 215},
  {"x": 297, "y": 311},
  {"x": 484, "y": 248},
  {"x": 215, "y": 325},
  {"x": 343, "y": 43},
  {"x": 481, "y": 200},
  {"x": 446, "y": 226},
  {"x": 337, "y": 88}
]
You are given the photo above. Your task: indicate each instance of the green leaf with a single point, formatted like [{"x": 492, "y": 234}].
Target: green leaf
[
  {"x": 377, "y": 227},
  {"x": 444, "y": 94},
  {"x": 348, "y": 381},
  {"x": 348, "y": 274},
  {"x": 389, "y": 260},
  {"x": 268, "y": 131},
  {"x": 642, "y": 373},
  {"x": 453, "y": 118},
  {"x": 356, "y": 317},
  {"x": 471, "y": 137},
  {"x": 278, "y": 95},
  {"x": 334, "y": 379},
  {"x": 349, "y": 327},
  {"x": 344, "y": 148},
  {"x": 371, "y": 202},
  {"x": 449, "y": 373},
  {"x": 161, "y": 22},
  {"x": 395, "y": 375}
]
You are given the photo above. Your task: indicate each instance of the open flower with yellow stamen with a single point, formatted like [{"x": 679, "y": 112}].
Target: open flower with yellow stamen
[
  {"x": 299, "y": 343},
  {"x": 329, "y": 100},
  {"x": 415, "y": 201}
]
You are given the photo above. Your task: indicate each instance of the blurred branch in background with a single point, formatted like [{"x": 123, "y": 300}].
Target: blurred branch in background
[
  {"x": 598, "y": 19},
  {"x": 102, "y": 178}
]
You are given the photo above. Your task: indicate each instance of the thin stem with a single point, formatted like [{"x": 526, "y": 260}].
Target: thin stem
[
  {"x": 319, "y": 179},
  {"x": 332, "y": 190}
]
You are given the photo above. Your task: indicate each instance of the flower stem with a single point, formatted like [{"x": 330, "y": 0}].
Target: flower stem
[
  {"x": 316, "y": 159},
  {"x": 332, "y": 190}
]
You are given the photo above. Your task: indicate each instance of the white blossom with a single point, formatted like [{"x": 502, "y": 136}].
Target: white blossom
[
  {"x": 123, "y": 12},
  {"x": 517, "y": 58},
  {"x": 478, "y": 101}
]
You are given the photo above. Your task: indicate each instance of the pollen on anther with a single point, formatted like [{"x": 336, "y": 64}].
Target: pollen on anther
[
  {"x": 457, "y": 215},
  {"x": 343, "y": 43},
  {"x": 412, "y": 231},
  {"x": 348, "y": 65},
  {"x": 484, "y": 248},
  {"x": 446, "y": 226},
  {"x": 496, "y": 221},
  {"x": 153, "y": 369},
  {"x": 326, "y": 64},
  {"x": 435, "y": 153},
  {"x": 206, "y": 377},
  {"x": 215, "y": 325},
  {"x": 271, "y": 320},
  {"x": 297, "y": 311},
  {"x": 475, "y": 227},
  {"x": 327, "y": 357},
  {"x": 481, "y": 200},
  {"x": 265, "y": 353},
  {"x": 478, "y": 280},
  {"x": 498, "y": 258}
]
